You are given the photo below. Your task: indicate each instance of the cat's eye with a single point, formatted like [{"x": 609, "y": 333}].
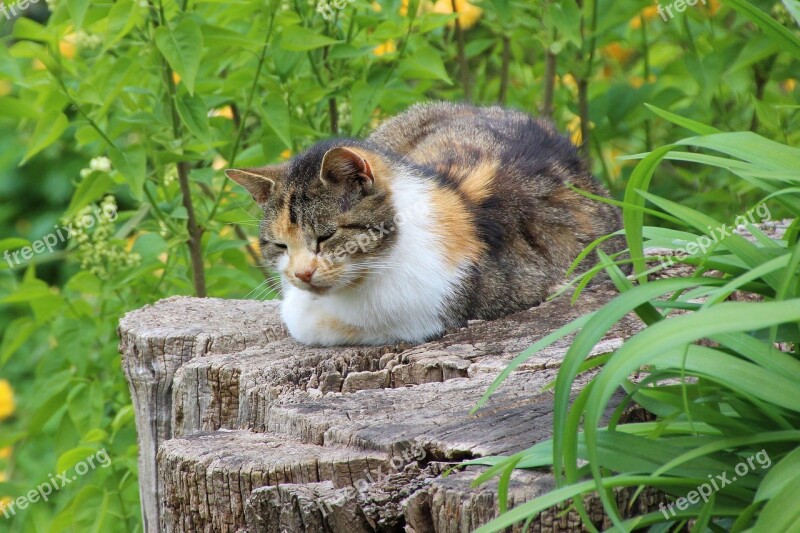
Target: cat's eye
[
  {"x": 323, "y": 238},
  {"x": 265, "y": 242}
]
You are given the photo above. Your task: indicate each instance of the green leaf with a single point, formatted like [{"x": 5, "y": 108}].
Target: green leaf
[
  {"x": 216, "y": 37},
  {"x": 11, "y": 107},
  {"x": 48, "y": 130},
  {"x": 300, "y": 39},
  {"x": 779, "y": 476},
  {"x": 13, "y": 243},
  {"x": 77, "y": 10},
  {"x": 182, "y": 47},
  {"x": 84, "y": 282},
  {"x": 276, "y": 115},
  {"x": 133, "y": 166},
  {"x": 750, "y": 147},
  {"x": 781, "y": 513},
  {"x": 122, "y": 18},
  {"x": 91, "y": 188},
  {"x": 689, "y": 124},
  {"x": 72, "y": 457},
  {"x": 793, "y": 7},
  {"x": 566, "y": 16},
  {"x": 194, "y": 115},
  {"x": 632, "y": 214},
  {"x": 778, "y": 33},
  {"x": 123, "y": 418},
  {"x": 424, "y": 63},
  {"x": 16, "y": 334},
  {"x": 364, "y": 98}
]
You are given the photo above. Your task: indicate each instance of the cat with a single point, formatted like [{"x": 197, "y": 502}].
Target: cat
[{"x": 445, "y": 213}]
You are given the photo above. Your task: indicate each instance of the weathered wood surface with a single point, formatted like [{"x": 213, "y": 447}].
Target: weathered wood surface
[{"x": 243, "y": 429}]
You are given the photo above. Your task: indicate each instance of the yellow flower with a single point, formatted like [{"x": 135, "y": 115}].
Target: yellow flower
[
  {"x": 176, "y": 78},
  {"x": 468, "y": 14},
  {"x": 286, "y": 154},
  {"x": 377, "y": 7},
  {"x": 647, "y": 13},
  {"x": 789, "y": 85},
  {"x": 67, "y": 49},
  {"x": 6, "y": 399},
  {"x": 574, "y": 129},
  {"x": 617, "y": 51},
  {"x": 219, "y": 163},
  {"x": 5, "y": 88},
  {"x": 713, "y": 6},
  {"x": 225, "y": 112},
  {"x": 568, "y": 80},
  {"x": 5, "y": 501},
  {"x": 638, "y": 81},
  {"x": 386, "y": 48},
  {"x": 5, "y": 453}
]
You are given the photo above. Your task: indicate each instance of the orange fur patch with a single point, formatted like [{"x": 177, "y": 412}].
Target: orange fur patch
[
  {"x": 300, "y": 258},
  {"x": 476, "y": 186},
  {"x": 347, "y": 331},
  {"x": 456, "y": 227},
  {"x": 576, "y": 204}
]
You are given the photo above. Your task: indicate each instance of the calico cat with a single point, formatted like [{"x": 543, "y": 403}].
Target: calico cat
[{"x": 447, "y": 212}]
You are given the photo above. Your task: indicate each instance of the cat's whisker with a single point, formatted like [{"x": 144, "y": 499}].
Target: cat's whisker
[{"x": 257, "y": 288}]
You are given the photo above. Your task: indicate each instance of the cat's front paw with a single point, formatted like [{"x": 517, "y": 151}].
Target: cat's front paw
[{"x": 308, "y": 324}]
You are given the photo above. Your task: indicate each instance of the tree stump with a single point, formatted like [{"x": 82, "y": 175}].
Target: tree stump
[{"x": 243, "y": 429}]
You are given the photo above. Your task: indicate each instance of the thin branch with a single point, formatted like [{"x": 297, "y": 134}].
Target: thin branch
[
  {"x": 333, "y": 112},
  {"x": 462, "y": 55},
  {"x": 550, "y": 61},
  {"x": 195, "y": 231},
  {"x": 240, "y": 121},
  {"x": 504, "y": 68},
  {"x": 648, "y": 135}
]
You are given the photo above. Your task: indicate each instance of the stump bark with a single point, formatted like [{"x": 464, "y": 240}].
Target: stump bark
[{"x": 243, "y": 429}]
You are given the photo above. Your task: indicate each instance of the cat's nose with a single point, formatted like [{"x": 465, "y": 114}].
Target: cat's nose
[{"x": 305, "y": 275}]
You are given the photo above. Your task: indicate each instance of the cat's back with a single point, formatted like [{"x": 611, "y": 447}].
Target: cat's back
[
  {"x": 483, "y": 148},
  {"x": 512, "y": 176}
]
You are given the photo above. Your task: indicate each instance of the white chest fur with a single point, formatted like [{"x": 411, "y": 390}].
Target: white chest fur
[{"x": 403, "y": 299}]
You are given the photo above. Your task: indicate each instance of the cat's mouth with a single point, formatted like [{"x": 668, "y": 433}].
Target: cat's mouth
[
  {"x": 316, "y": 289},
  {"x": 312, "y": 287}
]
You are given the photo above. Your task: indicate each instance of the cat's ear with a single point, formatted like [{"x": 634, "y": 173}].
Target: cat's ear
[
  {"x": 260, "y": 182},
  {"x": 342, "y": 165}
]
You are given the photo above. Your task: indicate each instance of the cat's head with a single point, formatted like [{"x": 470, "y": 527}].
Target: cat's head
[{"x": 326, "y": 214}]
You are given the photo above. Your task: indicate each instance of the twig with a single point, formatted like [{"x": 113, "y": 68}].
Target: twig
[
  {"x": 240, "y": 121},
  {"x": 504, "y": 68},
  {"x": 583, "y": 79},
  {"x": 549, "y": 81},
  {"x": 462, "y": 55},
  {"x": 195, "y": 231},
  {"x": 648, "y": 136},
  {"x": 334, "y": 115}
]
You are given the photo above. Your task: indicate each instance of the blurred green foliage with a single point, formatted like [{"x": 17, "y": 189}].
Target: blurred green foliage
[{"x": 172, "y": 92}]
